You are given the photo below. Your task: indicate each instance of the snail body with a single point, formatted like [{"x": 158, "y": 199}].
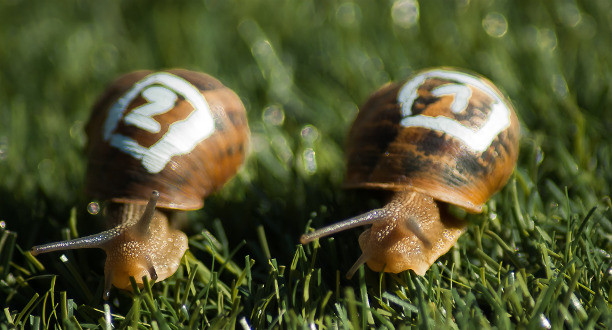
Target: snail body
[
  {"x": 441, "y": 137},
  {"x": 158, "y": 143}
]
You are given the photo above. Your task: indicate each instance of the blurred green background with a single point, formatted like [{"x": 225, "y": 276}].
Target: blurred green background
[{"x": 302, "y": 68}]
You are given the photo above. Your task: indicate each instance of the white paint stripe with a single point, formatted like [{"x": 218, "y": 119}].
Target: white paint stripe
[
  {"x": 478, "y": 140},
  {"x": 128, "y": 145},
  {"x": 161, "y": 100},
  {"x": 182, "y": 136},
  {"x": 461, "y": 95},
  {"x": 408, "y": 94}
]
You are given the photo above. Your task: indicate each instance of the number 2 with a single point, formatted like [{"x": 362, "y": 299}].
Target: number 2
[
  {"x": 161, "y": 90},
  {"x": 478, "y": 140}
]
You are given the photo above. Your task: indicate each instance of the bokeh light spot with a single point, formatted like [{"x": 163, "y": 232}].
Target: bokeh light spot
[
  {"x": 273, "y": 115},
  {"x": 405, "y": 13},
  {"x": 309, "y": 161},
  {"x": 495, "y": 24},
  {"x": 348, "y": 14},
  {"x": 547, "y": 39},
  {"x": 93, "y": 208},
  {"x": 569, "y": 14},
  {"x": 310, "y": 134}
]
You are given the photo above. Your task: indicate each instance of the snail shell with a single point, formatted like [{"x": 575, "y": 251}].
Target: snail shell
[
  {"x": 444, "y": 136},
  {"x": 144, "y": 134},
  {"x": 158, "y": 141}
]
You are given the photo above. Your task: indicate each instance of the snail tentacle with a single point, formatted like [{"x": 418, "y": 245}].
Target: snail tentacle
[
  {"x": 361, "y": 220},
  {"x": 92, "y": 241},
  {"x": 144, "y": 223},
  {"x": 363, "y": 258}
]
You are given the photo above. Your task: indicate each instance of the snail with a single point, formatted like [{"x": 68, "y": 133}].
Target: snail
[
  {"x": 443, "y": 137},
  {"x": 158, "y": 143}
]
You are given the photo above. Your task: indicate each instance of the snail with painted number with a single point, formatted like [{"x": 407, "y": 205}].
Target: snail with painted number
[
  {"x": 159, "y": 142},
  {"x": 442, "y": 137}
]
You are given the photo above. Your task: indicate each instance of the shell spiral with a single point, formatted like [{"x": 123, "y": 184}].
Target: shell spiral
[
  {"x": 179, "y": 132},
  {"x": 443, "y": 132}
]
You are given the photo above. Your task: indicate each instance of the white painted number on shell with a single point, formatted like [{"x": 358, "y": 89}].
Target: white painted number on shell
[
  {"x": 160, "y": 101},
  {"x": 161, "y": 90},
  {"x": 478, "y": 140}
]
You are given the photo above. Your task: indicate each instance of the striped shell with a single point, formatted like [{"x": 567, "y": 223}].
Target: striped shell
[
  {"x": 179, "y": 132},
  {"x": 443, "y": 132}
]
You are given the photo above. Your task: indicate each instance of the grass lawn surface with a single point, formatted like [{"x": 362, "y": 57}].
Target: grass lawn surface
[{"x": 539, "y": 256}]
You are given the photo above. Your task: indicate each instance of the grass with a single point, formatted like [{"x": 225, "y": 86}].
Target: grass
[{"x": 538, "y": 257}]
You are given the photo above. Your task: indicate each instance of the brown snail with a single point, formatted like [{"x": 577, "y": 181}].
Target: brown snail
[
  {"x": 442, "y": 137},
  {"x": 158, "y": 142}
]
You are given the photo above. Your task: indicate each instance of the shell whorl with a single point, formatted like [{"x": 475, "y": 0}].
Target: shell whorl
[
  {"x": 445, "y": 133},
  {"x": 180, "y": 132}
]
